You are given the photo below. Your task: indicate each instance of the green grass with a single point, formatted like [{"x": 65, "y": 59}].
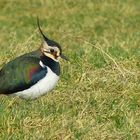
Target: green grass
[{"x": 98, "y": 95}]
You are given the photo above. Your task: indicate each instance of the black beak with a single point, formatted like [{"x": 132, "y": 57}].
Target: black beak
[{"x": 64, "y": 57}]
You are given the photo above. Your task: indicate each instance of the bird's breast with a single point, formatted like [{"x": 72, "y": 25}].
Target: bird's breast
[{"x": 44, "y": 85}]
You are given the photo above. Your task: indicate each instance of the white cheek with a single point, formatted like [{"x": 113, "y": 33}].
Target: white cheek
[
  {"x": 48, "y": 55},
  {"x": 52, "y": 57},
  {"x": 58, "y": 53}
]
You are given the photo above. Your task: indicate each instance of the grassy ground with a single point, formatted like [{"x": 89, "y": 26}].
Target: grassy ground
[{"x": 98, "y": 95}]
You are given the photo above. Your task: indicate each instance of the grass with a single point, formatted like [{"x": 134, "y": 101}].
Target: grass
[{"x": 98, "y": 95}]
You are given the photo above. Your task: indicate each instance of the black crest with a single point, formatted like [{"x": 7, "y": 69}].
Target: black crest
[{"x": 48, "y": 41}]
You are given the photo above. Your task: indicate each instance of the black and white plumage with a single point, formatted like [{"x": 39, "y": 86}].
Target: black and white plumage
[{"x": 33, "y": 74}]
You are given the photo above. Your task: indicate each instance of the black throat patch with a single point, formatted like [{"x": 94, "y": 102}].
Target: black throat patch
[{"x": 53, "y": 65}]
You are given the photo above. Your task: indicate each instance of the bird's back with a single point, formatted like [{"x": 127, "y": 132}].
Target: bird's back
[{"x": 21, "y": 73}]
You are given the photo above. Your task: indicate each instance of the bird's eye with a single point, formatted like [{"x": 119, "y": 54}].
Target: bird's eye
[{"x": 51, "y": 50}]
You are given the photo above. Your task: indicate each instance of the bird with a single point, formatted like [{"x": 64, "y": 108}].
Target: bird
[{"x": 33, "y": 74}]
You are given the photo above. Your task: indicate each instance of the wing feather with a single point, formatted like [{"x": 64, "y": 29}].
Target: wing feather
[{"x": 21, "y": 74}]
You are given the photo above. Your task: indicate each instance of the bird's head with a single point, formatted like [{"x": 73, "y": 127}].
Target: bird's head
[{"x": 51, "y": 48}]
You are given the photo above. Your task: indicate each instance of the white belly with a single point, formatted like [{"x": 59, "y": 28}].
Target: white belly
[{"x": 41, "y": 87}]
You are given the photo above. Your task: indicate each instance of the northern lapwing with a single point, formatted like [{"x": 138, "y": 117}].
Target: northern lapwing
[{"x": 34, "y": 74}]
